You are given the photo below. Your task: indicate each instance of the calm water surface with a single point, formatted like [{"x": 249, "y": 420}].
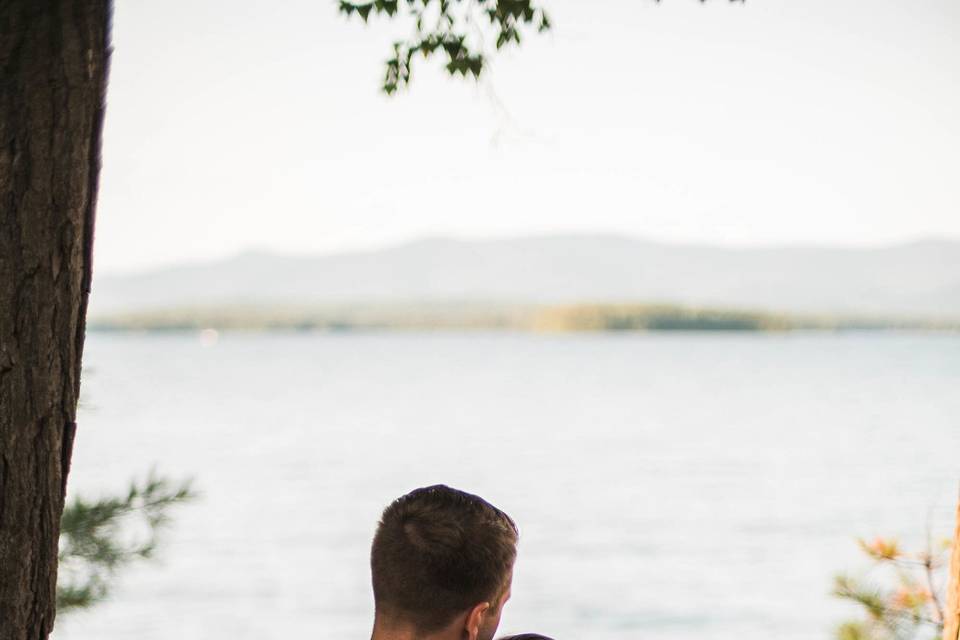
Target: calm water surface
[{"x": 666, "y": 486}]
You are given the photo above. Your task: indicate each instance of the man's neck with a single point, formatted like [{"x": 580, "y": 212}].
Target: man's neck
[{"x": 383, "y": 631}]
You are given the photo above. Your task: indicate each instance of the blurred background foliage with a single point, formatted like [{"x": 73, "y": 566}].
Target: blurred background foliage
[{"x": 901, "y": 597}]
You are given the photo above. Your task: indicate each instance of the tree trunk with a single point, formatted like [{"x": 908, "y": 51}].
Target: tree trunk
[
  {"x": 53, "y": 61},
  {"x": 951, "y": 622}
]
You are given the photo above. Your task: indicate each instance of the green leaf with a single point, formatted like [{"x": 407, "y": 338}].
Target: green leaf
[{"x": 544, "y": 23}]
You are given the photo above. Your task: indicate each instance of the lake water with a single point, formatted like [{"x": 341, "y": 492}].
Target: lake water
[{"x": 666, "y": 486}]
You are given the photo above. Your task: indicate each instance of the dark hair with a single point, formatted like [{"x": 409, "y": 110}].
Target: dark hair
[
  {"x": 526, "y": 636},
  {"x": 438, "y": 552}
]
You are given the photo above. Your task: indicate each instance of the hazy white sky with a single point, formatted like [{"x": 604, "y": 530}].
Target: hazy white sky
[{"x": 259, "y": 124}]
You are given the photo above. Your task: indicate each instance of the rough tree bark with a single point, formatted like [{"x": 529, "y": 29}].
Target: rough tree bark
[{"x": 53, "y": 61}]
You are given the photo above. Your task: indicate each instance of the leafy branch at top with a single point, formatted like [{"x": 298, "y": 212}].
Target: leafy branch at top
[
  {"x": 454, "y": 28},
  {"x": 458, "y": 29}
]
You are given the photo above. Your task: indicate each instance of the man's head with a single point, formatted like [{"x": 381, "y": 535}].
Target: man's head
[{"x": 442, "y": 561}]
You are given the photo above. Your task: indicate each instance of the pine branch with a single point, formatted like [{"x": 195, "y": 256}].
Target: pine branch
[
  {"x": 910, "y": 610},
  {"x": 98, "y": 538}
]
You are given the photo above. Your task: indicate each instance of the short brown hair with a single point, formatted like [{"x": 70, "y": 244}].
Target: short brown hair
[{"x": 438, "y": 552}]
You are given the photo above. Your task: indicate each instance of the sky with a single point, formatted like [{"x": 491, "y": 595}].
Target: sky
[{"x": 259, "y": 125}]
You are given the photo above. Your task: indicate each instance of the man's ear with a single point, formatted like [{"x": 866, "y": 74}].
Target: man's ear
[{"x": 471, "y": 628}]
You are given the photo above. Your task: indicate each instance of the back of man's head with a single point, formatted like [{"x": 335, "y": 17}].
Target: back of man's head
[{"x": 437, "y": 553}]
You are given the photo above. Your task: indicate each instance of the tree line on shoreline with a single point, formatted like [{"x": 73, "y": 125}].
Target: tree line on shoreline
[{"x": 558, "y": 318}]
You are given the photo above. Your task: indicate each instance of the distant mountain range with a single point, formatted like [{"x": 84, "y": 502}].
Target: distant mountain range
[{"x": 919, "y": 279}]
